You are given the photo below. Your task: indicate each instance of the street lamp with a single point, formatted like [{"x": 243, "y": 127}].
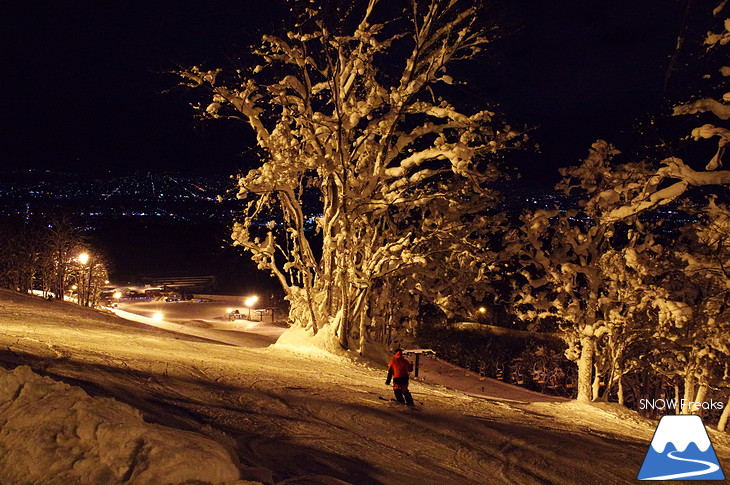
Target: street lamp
[
  {"x": 481, "y": 314},
  {"x": 157, "y": 317},
  {"x": 85, "y": 300},
  {"x": 249, "y": 302}
]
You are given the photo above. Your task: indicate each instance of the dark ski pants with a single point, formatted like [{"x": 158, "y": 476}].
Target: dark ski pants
[
  {"x": 403, "y": 396},
  {"x": 400, "y": 389}
]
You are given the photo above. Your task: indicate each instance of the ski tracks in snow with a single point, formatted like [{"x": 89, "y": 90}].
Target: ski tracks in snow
[{"x": 286, "y": 416}]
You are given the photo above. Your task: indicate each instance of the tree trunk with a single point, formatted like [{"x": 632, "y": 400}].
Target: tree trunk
[
  {"x": 689, "y": 393},
  {"x": 700, "y": 397},
  {"x": 361, "y": 311},
  {"x": 724, "y": 417},
  {"x": 346, "y": 320},
  {"x": 621, "y": 399},
  {"x": 678, "y": 407},
  {"x": 596, "y": 388},
  {"x": 585, "y": 369}
]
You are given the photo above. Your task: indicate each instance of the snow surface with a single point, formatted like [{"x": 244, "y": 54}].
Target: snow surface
[
  {"x": 55, "y": 433},
  {"x": 282, "y": 414}
]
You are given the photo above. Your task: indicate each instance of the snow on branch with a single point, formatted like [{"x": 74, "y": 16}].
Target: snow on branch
[
  {"x": 652, "y": 197},
  {"x": 352, "y": 123},
  {"x": 704, "y": 105},
  {"x": 675, "y": 176}
]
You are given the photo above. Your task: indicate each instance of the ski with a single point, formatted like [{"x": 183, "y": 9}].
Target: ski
[{"x": 396, "y": 403}]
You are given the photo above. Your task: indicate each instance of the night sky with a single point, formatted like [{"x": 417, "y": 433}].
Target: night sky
[{"x": 86, "y": 87}]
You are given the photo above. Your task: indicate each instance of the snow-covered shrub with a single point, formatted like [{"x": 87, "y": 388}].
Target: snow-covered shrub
[{"x": 539, "y": 360}]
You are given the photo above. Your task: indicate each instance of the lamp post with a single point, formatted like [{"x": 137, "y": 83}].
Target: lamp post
[
  {"x": 85, "y": 260},
  {"x": 481, "y": 313},
  {"x": 249, "y": 302}
]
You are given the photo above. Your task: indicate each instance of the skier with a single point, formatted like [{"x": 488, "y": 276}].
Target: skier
[{"x": 398, "y": 370}]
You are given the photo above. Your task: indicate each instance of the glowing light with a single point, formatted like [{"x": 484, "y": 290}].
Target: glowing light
[
  {"x": 83, "y": 258},
  {"x": 229, "y": 310},
  {"x": 117, "y": 295},
  {"x": 157, "y": 317},
  {"x": 482, "y": 309},
  {"x": 251, "y": 301},
  {"x": 74, "y": 287}
]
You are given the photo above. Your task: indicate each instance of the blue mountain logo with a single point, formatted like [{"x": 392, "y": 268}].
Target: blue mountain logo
[{"x": 681, "y": 450}]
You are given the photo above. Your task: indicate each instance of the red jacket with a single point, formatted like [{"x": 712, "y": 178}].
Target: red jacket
[{"x": 399, "y": 366}]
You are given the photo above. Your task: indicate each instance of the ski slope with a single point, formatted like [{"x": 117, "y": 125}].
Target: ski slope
[{"x": 295, "y": 416}]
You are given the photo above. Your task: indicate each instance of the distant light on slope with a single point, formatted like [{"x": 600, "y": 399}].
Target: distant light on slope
[{"x": 251, "y": 301}]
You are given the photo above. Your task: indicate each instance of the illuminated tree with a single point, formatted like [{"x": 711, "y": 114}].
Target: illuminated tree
[
  {"x": 693, "y": 335},
  {"x": 350, "y": 115},
  {"x": 587, "y": 274},
  {"x": 676, "y": 176},
  {"x": 695, "y": 323},
  {"x": 87, "y": 271}
]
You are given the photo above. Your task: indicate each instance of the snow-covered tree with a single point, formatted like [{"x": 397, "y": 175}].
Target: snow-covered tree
[
  {"x": 21, "y": 254},
  {"x": 676, "y": 176},
  {"x": 349, "y": 115},
  {"x": 630, "y": 276},
  {"x": 586, "y": 273},
  {"x": 61, "y": 240},
  {"x": 694, "y": 319},
  {"x": 694, "y": 330},
  {"x": 88, "y": 271}
]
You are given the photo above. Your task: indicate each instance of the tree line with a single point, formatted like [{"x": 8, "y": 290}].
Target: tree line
[{"x": 51, "y": 257}]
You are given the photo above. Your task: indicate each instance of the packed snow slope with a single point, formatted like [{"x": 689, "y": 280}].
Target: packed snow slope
[{"x": 274, "y": 415}]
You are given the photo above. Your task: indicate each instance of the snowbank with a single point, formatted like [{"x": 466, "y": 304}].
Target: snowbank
[
  {"x": 298, "y": 340},
  {"x": 53, "y": 433}
]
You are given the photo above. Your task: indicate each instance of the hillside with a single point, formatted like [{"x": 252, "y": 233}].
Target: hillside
[{"x": 303, "y": 417}]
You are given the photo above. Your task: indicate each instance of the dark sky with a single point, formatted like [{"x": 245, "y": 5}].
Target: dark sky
[{"x": 86, "y": 89}]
